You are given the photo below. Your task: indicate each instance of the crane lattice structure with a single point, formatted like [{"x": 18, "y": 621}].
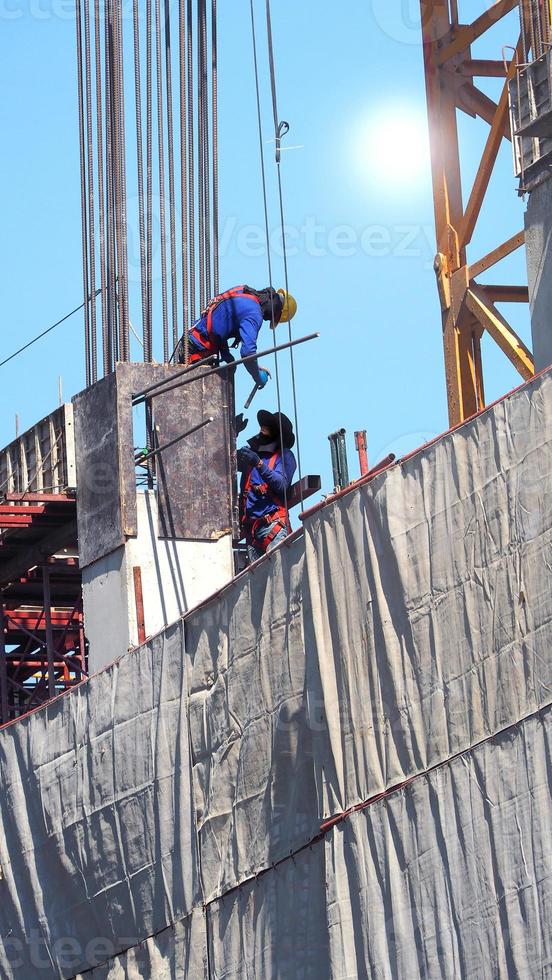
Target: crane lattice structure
[{"x": 468, "y": 307}]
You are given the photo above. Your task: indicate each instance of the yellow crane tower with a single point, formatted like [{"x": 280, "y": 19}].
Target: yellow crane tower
[{"x": 451, "y": 73}]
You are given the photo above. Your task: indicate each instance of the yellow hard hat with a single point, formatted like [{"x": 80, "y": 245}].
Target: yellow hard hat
[{"x": 289, "y": 308}]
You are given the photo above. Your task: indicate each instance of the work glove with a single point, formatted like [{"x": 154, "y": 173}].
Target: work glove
[
  {"x": 264, "y": 375},
  {"x": 240, "y": 423},
  {"x": 247, "y": 458}
]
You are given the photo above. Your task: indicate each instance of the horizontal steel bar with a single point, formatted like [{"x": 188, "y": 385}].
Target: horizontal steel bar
[
  {"x": 141, "y": 459},
  {"x": 142, "y": 396}
]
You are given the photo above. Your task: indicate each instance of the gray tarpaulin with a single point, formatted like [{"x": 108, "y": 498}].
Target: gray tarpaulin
[{"x": 171, "y": 807}]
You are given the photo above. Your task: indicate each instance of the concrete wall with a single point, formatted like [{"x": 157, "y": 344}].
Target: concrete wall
[
  {"x": 538, "y": 230},
  {"x": 176, "y": 575}
]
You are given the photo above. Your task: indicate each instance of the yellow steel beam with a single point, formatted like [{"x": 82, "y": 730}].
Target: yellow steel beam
[
  {"x": 475, "y": 103},
  {"x": 486, "y": 166},
  {"x": 464, "y": 384},
  {"x": 500, "y": 330},
  {"x": 506, "y": 294},
  {"x": 483, "y": 68},
  {"x": 460, "y": 38},
  {"x": 513, "y": 243}
]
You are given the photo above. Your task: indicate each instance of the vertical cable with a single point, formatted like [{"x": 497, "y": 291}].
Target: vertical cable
[
  {"x": 90, "y": 175},
  {"x": 214, "y": 96},
  {"x": 101, "y": 200},
  {"x": 184, "y": 178},
  {"x": 267, "y": 225},
  {"x": 170, "y": 160},
  {"x": 161, "y": 162},
  {"x": 84, "y": 204},
  {"x": 140, "y": 168},
  {"x": 191, "y": 163},
  {"x": 279, "y": 130}
]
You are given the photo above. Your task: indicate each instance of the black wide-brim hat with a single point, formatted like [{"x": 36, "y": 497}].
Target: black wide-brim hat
[{"x": 271, "y": 420}]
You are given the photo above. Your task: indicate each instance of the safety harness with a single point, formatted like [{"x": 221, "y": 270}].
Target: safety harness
[
  {"x": 210, "y": 346},
  {"x": 275, "y": 521}
]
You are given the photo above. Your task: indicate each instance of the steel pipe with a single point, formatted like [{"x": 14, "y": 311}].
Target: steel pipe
[
  {"x": 141, "y": 459},
  {"x": 141, "y": 396}
]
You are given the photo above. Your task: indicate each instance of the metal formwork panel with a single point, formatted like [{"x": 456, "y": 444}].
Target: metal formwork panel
[
  {"x": 531, "y": 119},
  {"x": 41, "y": 459},
  {"x": 195, "y": 477}
]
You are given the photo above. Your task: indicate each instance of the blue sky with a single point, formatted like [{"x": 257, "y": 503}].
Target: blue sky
[{"x": 362, "y": 244}]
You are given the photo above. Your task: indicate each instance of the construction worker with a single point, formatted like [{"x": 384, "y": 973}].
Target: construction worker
[
  {"x": 237, "y": 315},
  {"x": 266, "y": 474}
]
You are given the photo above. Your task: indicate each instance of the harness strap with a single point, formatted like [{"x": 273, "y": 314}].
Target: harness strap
[
  {"x": 276, "y": 520},
  {"x": 209, "y": 345}
]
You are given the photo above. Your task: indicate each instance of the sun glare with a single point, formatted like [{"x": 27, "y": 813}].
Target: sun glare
[{"x": 393, "y": 147}]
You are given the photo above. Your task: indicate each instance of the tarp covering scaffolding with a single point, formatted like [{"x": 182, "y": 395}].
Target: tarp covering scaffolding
[{"x": 337, "y": 768}]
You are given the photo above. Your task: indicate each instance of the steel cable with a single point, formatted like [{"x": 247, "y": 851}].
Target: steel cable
[
  {"x": 101, "y": 200},
  {"x": 84, "y": 203},
  {"x": 170, "y": 160},
  {"x": 161, "y": 167},
  {"x": 267, "y": 224},
  {"x": 278, "y": 131}
]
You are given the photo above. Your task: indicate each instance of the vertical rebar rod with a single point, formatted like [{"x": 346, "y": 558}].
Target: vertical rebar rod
[
  {"x": 90, "y": 178},
  {"x": 4, "y": 699},
  {"x": 214, "y": 98},
  {"x": 140, "y": 169},
  {"x": 206, "y": 157},
  {"x": 101, "y": 198},
  {"x": 49, "y": 631},
  {"x": 84, "y": 204},
  {"x": 116, "y": 171},
  {"x": 184, "y": 178},
  {"x": 148, "y": 350},
  {"x": 191, "y": 163},
  {"x": 200, "y": 155},
  {"x": 170, "y": 163},
  {"x": 110, "y": 192},
  {"x": 123, "y": 267},
  {"x": 161, "y": 166}
]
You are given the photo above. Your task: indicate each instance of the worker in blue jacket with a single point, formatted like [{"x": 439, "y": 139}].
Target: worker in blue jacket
[
  {"x": 267, "y": 465},
  {"x": 236, "y": 316}
]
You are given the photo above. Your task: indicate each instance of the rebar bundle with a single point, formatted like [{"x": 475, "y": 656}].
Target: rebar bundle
[{"x": 149, "y": 212}]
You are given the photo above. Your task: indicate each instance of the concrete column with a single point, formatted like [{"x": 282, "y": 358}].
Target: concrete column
[{"x": 176, "y": 575}]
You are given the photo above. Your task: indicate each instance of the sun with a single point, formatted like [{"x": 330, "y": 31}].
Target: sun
[{"x": 392, "y": 147}]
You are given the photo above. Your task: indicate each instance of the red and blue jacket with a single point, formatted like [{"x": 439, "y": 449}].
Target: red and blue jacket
[
  {"x": 263, "y": 489},
  {"x": 231, "y": 316}
]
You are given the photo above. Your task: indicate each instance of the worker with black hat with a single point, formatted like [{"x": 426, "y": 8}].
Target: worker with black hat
[
  {"x": 237, "y": 315},
  {"x": 267, "y": 465}
]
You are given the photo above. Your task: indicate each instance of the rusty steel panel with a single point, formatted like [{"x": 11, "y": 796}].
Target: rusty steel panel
[
  {"x": 99, "y": 510},
  {"x": 195, "y": 484}
]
